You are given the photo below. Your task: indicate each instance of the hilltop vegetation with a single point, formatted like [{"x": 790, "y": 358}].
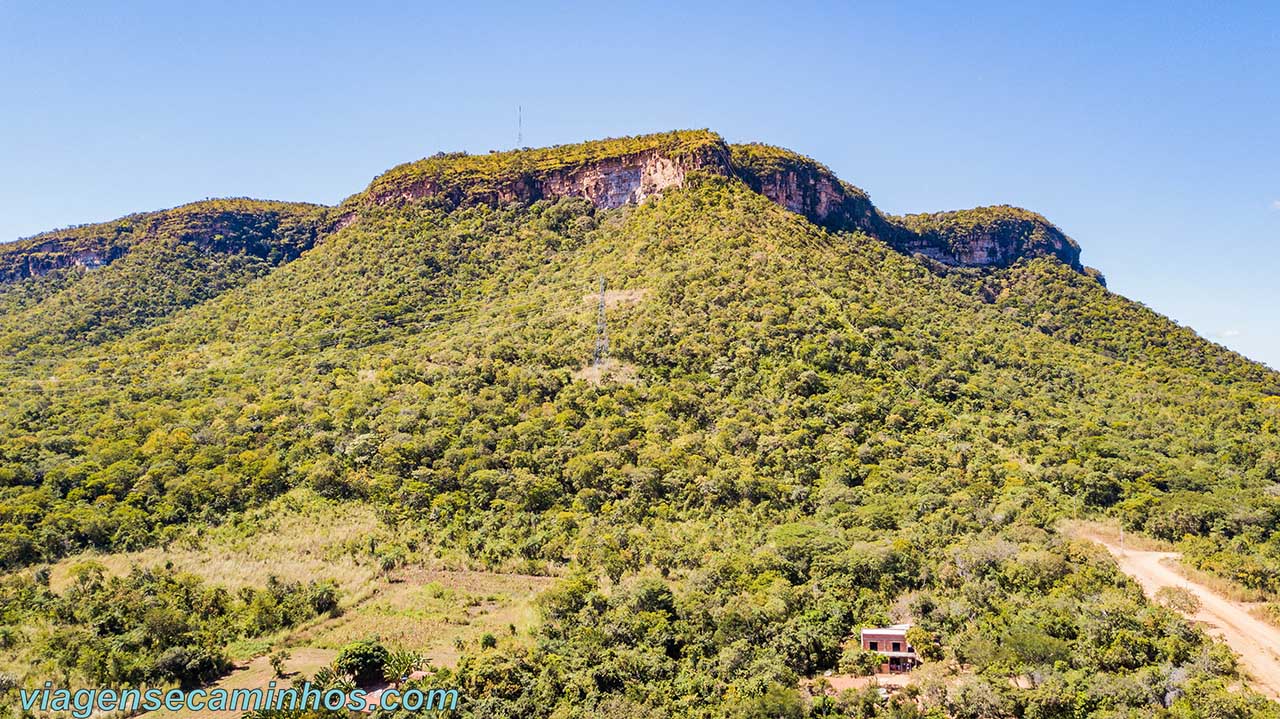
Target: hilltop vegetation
[
  {"x": 92, "y": 283},
  {"x": 461, "y": 176},
  {"x": 991, "y": 236},
  {"x": 804, "y": 432}
]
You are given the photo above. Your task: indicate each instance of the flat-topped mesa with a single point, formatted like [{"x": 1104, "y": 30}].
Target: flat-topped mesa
[
  {"x": 995, "y": 236},
  {"x": 616, "y": 172},
  {"x": 610, "y": 173},
  {"x": 278, "y": 231}
]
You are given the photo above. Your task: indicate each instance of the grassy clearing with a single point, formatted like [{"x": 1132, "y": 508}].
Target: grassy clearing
[
  {"x": 436, "y": 612},
  {"x": 302, "y": 537},
  {"x": 1110, "y": 531},
  {"x": 297, "y": 537}
]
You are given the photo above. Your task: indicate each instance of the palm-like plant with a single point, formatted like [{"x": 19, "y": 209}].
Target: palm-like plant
[{"x": 401, "y": 664}]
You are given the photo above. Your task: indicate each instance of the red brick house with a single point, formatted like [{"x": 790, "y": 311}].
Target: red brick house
[{"x": 892, "y": 643}]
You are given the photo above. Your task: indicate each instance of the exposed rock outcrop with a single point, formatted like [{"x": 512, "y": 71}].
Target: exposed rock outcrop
[
  {"x": 610, "y": 173},
  {"x": 807, "y": 188},
  {"x": 626, "y": 180},
  {"x": 994, "y": 236},
  {"x": 52, "y": 255},
  {"x": 278, "y": 231}
]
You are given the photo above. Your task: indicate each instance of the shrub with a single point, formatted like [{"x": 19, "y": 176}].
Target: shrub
[
  {"x": 278, "y": 661},
  {"x": 323, "y": 598},
  {"x": 401, "y": 664},
  {"x": 1178, "y": 599},
  {"x": 189, "y": 666},
  {"x": 364, "y": 661},
  {"x": 862, "y": 663}
]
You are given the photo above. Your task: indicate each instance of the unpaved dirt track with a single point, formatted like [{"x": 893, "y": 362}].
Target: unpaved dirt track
[{"x": 1257, "y": 642}]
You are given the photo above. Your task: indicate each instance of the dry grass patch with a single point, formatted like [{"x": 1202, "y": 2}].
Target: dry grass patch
[
  {"x": 432, "y": 611},
  {"x": 257, "y": 674},
  {"x": 617, "y": 298},
  {"x": 1111, "y": 534},
  {"x": 297, "y": 537},
  {"x": 302, "y": 537}
]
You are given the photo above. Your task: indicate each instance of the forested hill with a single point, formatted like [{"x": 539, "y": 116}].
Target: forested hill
[{"x": 813, "y": 417}]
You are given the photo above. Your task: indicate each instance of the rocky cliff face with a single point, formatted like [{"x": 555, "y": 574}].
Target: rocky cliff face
[
  {"x": 807, "y": 188},
  {"x": 278, "y": 231},
  {"x": 52, "y": 255},
  {"x": 986, "y": 237},
  {"x": 627, "y": 180},
  {"x": 607, "y": 183},
  {"x": 610, "y": 173}
]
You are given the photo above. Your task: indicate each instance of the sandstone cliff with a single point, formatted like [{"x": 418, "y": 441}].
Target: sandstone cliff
[
  {"x": 610, "y": 173},
  {"x": 808, "y": 188},
  {"x": 277, "y": 231},
  {"x": 986, "y": 237}
]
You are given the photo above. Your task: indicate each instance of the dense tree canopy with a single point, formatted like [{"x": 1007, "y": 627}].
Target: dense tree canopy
[{"x": 797, "y": 433}]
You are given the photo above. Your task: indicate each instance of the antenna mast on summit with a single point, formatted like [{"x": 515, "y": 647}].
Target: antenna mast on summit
[
  {"x": 602, "y": 332},
  {"x": 519, "y": 126}
]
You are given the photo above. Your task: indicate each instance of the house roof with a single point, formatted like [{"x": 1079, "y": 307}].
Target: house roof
[{"x": 896, "y": 629}]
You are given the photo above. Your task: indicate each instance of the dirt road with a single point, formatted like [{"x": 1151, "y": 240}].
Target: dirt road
[{"x": 1256, "y": 642}]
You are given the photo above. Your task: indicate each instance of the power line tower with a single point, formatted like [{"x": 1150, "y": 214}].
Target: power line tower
[{"x": 602, "y": 332}]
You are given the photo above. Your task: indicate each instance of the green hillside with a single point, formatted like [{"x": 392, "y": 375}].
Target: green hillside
[
  {"x": 797, "y": 433},
  {"x": 96, "y": 282}
]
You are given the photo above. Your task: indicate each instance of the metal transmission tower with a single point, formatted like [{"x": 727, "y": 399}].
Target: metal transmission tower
[
  {"x": 602, "y": 332},
  {"x": 519, "y": 126}
]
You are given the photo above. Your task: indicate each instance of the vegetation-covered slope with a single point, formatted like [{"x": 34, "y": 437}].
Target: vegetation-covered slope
[
  {"x": 798, "y": 433},
  {"x": 95, "y": 282},
  {"x": 1078, "y": 311}
]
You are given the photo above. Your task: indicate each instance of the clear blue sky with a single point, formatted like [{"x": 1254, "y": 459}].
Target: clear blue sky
[{"x": 1150, "y": 133}]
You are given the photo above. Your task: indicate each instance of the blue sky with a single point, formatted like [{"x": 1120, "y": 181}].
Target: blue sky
[{"x": 1148, "y": 132}]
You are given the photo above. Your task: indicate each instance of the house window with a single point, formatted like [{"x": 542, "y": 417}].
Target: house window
[
  {"x": 897, "y": 646},
  {"x": 875, "y": 646}
]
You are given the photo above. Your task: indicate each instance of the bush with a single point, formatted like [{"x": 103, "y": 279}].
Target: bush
[
  {"x": 859, "y": 662},
  {"x": 189, "y": 666},
  {"x": 278, "y": 661},
  {"x": 323, "y": 598},
  {"x": 401, "y": 664},
  {"x": 1178, "y": 599},
  {"x": 363, "y": 661}
]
